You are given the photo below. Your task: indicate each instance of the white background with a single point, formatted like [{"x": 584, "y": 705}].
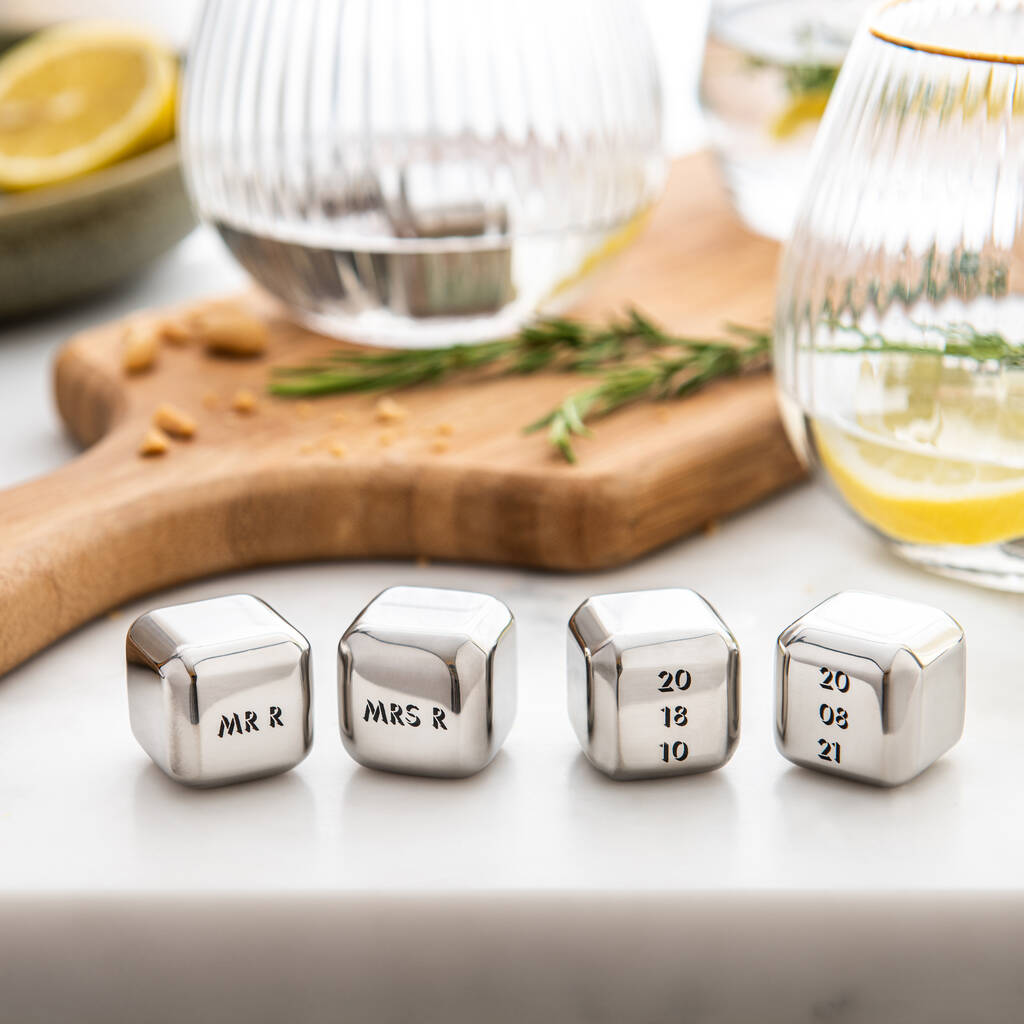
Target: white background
[{"x": 537, "y": 890}]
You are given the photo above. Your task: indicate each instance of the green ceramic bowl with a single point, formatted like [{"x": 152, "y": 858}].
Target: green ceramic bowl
[{"x": 68, "y": 241}]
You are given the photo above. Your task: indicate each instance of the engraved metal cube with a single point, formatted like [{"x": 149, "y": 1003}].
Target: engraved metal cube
[
  {"x": 870, "y": 687},
  {"x": 653, "y": 684},
  {"x": 427, "y": 681},
  {"x": 219, "y": 690}
]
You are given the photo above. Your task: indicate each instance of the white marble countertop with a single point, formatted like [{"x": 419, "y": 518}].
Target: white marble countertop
[{"x": 90, "y": 831}]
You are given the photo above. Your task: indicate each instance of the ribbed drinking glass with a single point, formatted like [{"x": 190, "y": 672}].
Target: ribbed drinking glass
[
  {"x": 900, "y": 320},
  {"x": 769, "y": 67},
  {"x": 417, "y": 172}
]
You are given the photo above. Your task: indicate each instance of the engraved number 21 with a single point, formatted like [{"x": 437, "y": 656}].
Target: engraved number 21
[{"x": 829, "y": 751}]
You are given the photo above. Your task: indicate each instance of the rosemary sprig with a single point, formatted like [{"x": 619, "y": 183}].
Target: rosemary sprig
[
  {"x": 633, "y": 357},
  {"x": 659, "y": 377},
  {"x": 801, "y": 79},
  {"x": 959, "y": 340}
]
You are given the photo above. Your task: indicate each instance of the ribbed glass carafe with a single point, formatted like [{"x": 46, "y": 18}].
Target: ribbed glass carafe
[{"x": 417, "y": 172}]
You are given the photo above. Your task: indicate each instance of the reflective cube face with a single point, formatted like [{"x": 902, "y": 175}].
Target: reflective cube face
[
  {"x": 219, "y": 691},
  {"x": 653, "y": 684},
  {"x": 870, "y": 687},
  {"x": 427, "y": 681}
]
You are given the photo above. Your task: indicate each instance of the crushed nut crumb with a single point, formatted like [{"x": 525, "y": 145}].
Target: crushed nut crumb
[
  {"x": 304, "y": 410},
  {"x": 711, "y": 527},
  {"x": 154, "y": 442},
  {"x": 446, "y": 429},
  {"x": 244, "y": 402},
  {"x": 174, "y": 421},
  {"x": 307, "y": 448},
  {"x": 228, "y": 330},
  {"x": 140, "y": 345},
  {"x": 337, "y": 449},
  {"x": 174, "y": 331},
  {"x": 439, "y": 447},
  {"x": 339, "y": 419},
  {"x": 422, "y": 561},
  {"x": 387, "y": 410},
  {"x": 661, "y": 415}
]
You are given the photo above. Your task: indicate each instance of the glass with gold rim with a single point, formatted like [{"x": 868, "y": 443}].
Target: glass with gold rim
[{"x": 900, "y": 313}]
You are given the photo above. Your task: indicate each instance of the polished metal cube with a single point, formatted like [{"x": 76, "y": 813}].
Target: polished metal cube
[
  {"x": 870, "y": 687},
  {"x": 654, "y": 680},
  {"x": 219, "y": 690},
  {"x": 427, "y": 681}
]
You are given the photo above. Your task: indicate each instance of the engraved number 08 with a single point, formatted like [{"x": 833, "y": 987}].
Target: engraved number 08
[{"x": 834, "y": 716}]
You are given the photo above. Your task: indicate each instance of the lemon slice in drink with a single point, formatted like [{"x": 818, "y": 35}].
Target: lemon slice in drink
[
  {"x": 78, "y": 97},
  {"x": 800, "y": 111},
  {"x": 920, "y": 497}
]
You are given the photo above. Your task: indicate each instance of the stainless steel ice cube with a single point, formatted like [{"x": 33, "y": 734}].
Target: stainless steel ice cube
[
  {"x": 427, "y": 681},
  {"x": 219, "y": 690},
  {"x": 654, "y": 679},
  {"x": 870, "y": 687}
]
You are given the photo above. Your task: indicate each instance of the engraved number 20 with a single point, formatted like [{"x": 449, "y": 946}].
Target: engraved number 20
[
  {"x": 678, "y": 680},
  {"x": 838, "y": 680}
]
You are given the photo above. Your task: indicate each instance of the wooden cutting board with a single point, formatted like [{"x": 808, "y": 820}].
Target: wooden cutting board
[{"x": 248, "y": 491}]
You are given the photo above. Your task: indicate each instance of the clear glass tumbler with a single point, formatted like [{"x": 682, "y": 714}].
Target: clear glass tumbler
[
  {"x": 769, "y": 68},
  {"x": 900, "y": 317},
  {"x": 421, "y": 172}
]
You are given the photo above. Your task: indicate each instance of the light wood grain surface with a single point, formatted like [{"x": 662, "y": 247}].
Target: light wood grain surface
[{"x": 246, "y": 491}]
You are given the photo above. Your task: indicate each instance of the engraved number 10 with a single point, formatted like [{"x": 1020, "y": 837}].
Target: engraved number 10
[{"x": 677, "y": 750}]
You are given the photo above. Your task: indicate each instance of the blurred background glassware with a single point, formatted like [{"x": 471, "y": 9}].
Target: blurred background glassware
[
  {"x": 417, "y": 173},
  {"x": 769, "y": 68},
  {"x": 900, "y": 317}
]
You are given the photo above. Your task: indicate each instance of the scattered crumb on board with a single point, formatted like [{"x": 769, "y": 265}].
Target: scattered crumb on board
[
  {"x": 154, "y": 442},
  {"x": 244, "y": 402},
  {"x": 387, "y": 410},
  {"x": 139, "y": 348},
  {"x": 228, "y": 330},
  {"x": 174, "y": 421}
]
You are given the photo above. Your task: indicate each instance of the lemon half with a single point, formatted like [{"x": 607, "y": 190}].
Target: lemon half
[
  {"x": 79, "y": 97},
  {"x": 923, "y": 498}
]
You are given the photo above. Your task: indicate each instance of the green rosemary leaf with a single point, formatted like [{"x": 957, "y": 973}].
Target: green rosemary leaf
[{"x": 631, "y": 356}]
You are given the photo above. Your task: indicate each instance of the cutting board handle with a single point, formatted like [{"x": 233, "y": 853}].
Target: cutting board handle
[{"x": 76, "y": 543}]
